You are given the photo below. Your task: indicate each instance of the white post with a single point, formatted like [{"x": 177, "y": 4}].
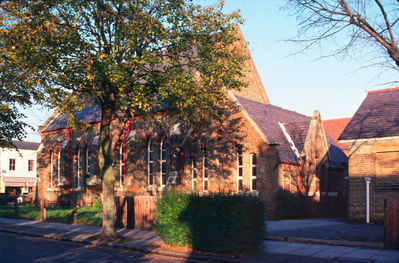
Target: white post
[{"x": 367, "y": 179}]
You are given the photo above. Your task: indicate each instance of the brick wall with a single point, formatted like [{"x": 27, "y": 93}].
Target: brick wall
[
  {"x": 379, "y": 160},
  {"x": 220, "y": 142}
]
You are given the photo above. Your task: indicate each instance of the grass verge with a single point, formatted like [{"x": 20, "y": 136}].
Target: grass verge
[{"x": 86, "y": 215}]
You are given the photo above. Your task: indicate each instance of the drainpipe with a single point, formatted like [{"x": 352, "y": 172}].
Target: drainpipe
[
  {"x": 181, "y": 170},
  {"x": 69, "y": 132},
  {"x": 300, "y": 178},
  {"x": 367, "y": 179}
]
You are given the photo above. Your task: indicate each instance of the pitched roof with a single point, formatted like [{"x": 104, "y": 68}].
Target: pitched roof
[
  {"x": 337, "y": 156},
  {"x": 23, "y": 145},
  {"x": 334, "y": 127},
  {"x": 268, "y": 118},
  {"x": 298, "y": 132},
  {"x": 377, "y": 116},
  {"x": 89, "y": 114}
]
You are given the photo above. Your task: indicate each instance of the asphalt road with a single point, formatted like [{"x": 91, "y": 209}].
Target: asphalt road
[
  {"x": 20, "y": 249},
  {"x": 16, "y": 248}
]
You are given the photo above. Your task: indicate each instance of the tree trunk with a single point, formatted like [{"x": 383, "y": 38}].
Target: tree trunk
[{"x": 108, "y": 177}]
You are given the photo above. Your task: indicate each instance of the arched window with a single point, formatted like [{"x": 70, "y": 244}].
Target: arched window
[
  {"x": 287, "y": 181},
  {"x": 87, "y": 167},
  {"x": 150, "y": 162},
  {"x": 60, "y": 182},
  {"x": 78, "y": 168},
  {"x": 239, "y": 168},
  {"x": 194, "y": 173},
  {"x": 205, "y": 165},
  {"x": 253, "y": 172},
  {"x": 122, "y": 171},
  {"x": 162, "y": 154},
  {"x": 51, "y": 169}
]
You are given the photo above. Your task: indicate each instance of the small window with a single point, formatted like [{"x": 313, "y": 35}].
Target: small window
[
  {"x": 162, "y": 154},
  {"x": 253, "y": 172},
  {"x": 31, "y": 165},
  {"x": 287, "y": 182},
  {"x": 150, "y": 160},
  {"x": 239, "y": 168},
  {"x": 205, "y": 164},
  {"x": 12, "y": 164}
]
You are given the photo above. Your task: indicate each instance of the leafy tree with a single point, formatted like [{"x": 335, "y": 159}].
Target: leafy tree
[
  {"x": 133, "y": 58},
  {"x": 360, "y": 23}
]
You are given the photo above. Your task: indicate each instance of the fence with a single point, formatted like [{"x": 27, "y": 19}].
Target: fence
[
  {"x": 137, "y": 212},
  {"x": 391, "y": 224}
]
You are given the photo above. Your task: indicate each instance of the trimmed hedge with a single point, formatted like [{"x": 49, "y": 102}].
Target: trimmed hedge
[
  {"x": 217, "y": 222},
  {"x": 289, "y": 205}
]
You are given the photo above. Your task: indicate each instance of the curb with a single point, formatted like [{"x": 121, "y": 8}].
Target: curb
[
  {"x": 378, "y": 245},
  {"x": 155, "y": 250}
]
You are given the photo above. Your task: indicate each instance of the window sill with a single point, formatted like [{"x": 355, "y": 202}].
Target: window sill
[{"x": 254, "y": 192}]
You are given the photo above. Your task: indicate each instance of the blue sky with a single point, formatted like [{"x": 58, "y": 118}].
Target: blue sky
[{"x": 301, "y": 82}]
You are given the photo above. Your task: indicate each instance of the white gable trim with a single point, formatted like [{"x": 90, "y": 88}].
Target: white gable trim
[{"x": 290, "y": 141}]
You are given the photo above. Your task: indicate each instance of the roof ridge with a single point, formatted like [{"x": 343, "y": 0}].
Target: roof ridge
[{"x": 382, "y": 90}]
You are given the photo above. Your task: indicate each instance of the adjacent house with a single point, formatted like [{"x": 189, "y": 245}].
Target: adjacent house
[
  {"x": 334, "y": 128},
  {"x": 18, "y": 168},
  {"x": 258, "y": 149},
  {"x": 372, "y": 138}
]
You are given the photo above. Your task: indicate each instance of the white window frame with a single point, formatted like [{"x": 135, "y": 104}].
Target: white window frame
[
  {"x": 79, "y": 170},
  {"x": 194, "y": 174},
  {"x": 205, "y": 170},
  {"x": 240, "y": 167},
  {"x": 162, "y": 161},
  {"x": 121, "y": 166},
  {"x": 59, "y": 169},
  {"x": 252, "y": 167},
  {"x": 87, "y": 161},
  {"x": 14, "y": 165},
  {"x": 33, "y": 165},
  {"x": 150, "y": 163}
]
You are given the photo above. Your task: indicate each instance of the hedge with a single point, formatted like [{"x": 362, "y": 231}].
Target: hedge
[
  {"x": 216, "y": 222},
  {"x": 289, "y": 205}
]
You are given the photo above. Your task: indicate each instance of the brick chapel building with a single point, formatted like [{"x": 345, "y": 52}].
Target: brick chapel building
[
  {"x": 259, "y": 148},
  {"x": 372, "y": 141}
]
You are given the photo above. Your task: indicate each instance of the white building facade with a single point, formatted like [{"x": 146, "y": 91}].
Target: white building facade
[{"x": 18, "y": 168}]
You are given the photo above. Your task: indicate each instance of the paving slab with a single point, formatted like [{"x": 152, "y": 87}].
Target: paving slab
[
  {"x": 333, "y": 251},
  {"x": 326, "y": 229}
]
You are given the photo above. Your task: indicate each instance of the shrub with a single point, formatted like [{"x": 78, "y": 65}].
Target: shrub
[
  {"x": 288, "y": 205},
  {"x": 218, "y": 222},
  {"x": 97, "y": 203}
]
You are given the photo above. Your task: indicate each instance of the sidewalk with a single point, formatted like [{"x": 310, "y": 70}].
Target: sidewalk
[
  {"x": 149, "y": 242},
  {"x": 327, "y": 230}
]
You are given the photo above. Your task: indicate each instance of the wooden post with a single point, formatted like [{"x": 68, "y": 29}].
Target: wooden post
[
  {"x": 42, "y": 211},
  {"x": 391, "y": 224},
  {"x": 16, "y": 208}
]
